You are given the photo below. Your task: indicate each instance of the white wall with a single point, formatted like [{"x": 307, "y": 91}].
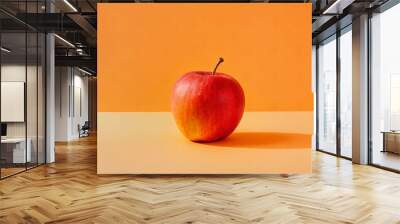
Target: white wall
[
  {"x": 62, "y": 81},
  {"x": 81, "y": 84},
  {"x": 33, "y": 128},
  {"x": 71, "y": 102},
  {"x": 16, "y": 72}
]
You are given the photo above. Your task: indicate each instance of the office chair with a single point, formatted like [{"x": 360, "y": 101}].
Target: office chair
[{"x": 84, "y": 130}]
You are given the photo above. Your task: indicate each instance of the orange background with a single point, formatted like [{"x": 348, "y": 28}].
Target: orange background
[{"x": 145, "y": 48}]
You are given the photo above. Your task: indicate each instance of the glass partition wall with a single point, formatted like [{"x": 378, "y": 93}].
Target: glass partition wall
[
  {"x": 22, "y": 98},
  {"x": 334, "y": 106},
  {"x": 327, "y": 95},
  {"x": 385, "y": 89},
  {"x": 345, "y": 92},
  {"x": 334, "y": 93}
]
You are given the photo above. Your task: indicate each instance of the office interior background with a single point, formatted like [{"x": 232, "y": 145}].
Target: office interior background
[
  {"x": 377, "y": 93},
  {"x": 48, "y": 79},
  {"x": 40, "y": 70}
]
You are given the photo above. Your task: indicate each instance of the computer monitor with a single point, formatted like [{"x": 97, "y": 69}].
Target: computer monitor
[{"x": 3, "y": 129}]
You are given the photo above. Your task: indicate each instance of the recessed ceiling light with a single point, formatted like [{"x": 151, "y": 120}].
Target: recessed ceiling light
[
  {"x": 70, "y": 5},
  {"x": 84, "y": 71},
  {"x": 64, "y": 40},
  {"x": 338, "y": 6},
  {"x": 5, "y": 50}
]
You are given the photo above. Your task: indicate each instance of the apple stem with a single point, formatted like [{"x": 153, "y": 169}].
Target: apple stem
[{"x": 216, "y": 66}]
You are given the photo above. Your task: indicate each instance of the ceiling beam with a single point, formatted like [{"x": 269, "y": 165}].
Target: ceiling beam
[
  {"x": 337, "y": 6},
  {"x": 84, "y": 24},
  {"x": 81, "y": 61}
]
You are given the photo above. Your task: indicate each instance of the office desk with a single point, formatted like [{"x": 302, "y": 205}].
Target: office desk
[
  {"x": 13, "y": 150},
  {"x": 391, "y": 141}
]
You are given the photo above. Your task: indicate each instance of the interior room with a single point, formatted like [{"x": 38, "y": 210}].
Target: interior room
[
  {"x": 183, "y": 111},
  {"x": 22, "y": 104},
  {"x": 385, "y": 90}
]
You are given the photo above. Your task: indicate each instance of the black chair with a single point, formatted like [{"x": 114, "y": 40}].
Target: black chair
[{"x": 84, "y": 130}]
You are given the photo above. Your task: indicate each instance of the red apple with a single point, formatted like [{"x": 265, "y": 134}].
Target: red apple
[{"x": 207, "y": 106}]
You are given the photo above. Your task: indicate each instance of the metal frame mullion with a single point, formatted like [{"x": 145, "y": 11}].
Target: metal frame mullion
[
  {"x": 26, "y": 87},
  {"x": 0, "y": 96},
  {"x": 317, "y": 97},
  {"x": 37, "y": 91},
  {"x": 44, "y": 79},
  {"x": 338, "y": 91},
  {"x": 369, "y": 91}
]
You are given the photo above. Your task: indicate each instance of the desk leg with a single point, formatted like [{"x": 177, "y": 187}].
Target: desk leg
[{"x": 384, "y": 142}]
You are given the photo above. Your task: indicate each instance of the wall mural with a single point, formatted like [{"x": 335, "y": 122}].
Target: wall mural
[{"x": 204, "y": 88}]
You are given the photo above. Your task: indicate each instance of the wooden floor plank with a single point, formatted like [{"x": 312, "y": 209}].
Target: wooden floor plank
[{"x": 70, "y": 191}]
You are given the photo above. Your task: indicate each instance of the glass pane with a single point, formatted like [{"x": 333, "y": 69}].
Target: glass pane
[
  {"x": 22, "y": 89},
  {"x": 31, "y": 87},
  {"x": 346, "y": 94},
  {"x": 13, "y": 86},
  {"x": 327, "y": 96},
  {"x": 32, "y": 95},
  {"x": 41, "y": 98},
  {"x": 386, "y": 89}
]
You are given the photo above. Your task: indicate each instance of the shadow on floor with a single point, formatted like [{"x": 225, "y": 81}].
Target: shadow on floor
[{"x": 265, "y": 140}]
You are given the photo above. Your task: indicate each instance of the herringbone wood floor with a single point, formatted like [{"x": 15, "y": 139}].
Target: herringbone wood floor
[{"x": 69, "y": 191}]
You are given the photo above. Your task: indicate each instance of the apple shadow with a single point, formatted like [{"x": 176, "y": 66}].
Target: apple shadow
[{"x": 264, "y": 140}]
